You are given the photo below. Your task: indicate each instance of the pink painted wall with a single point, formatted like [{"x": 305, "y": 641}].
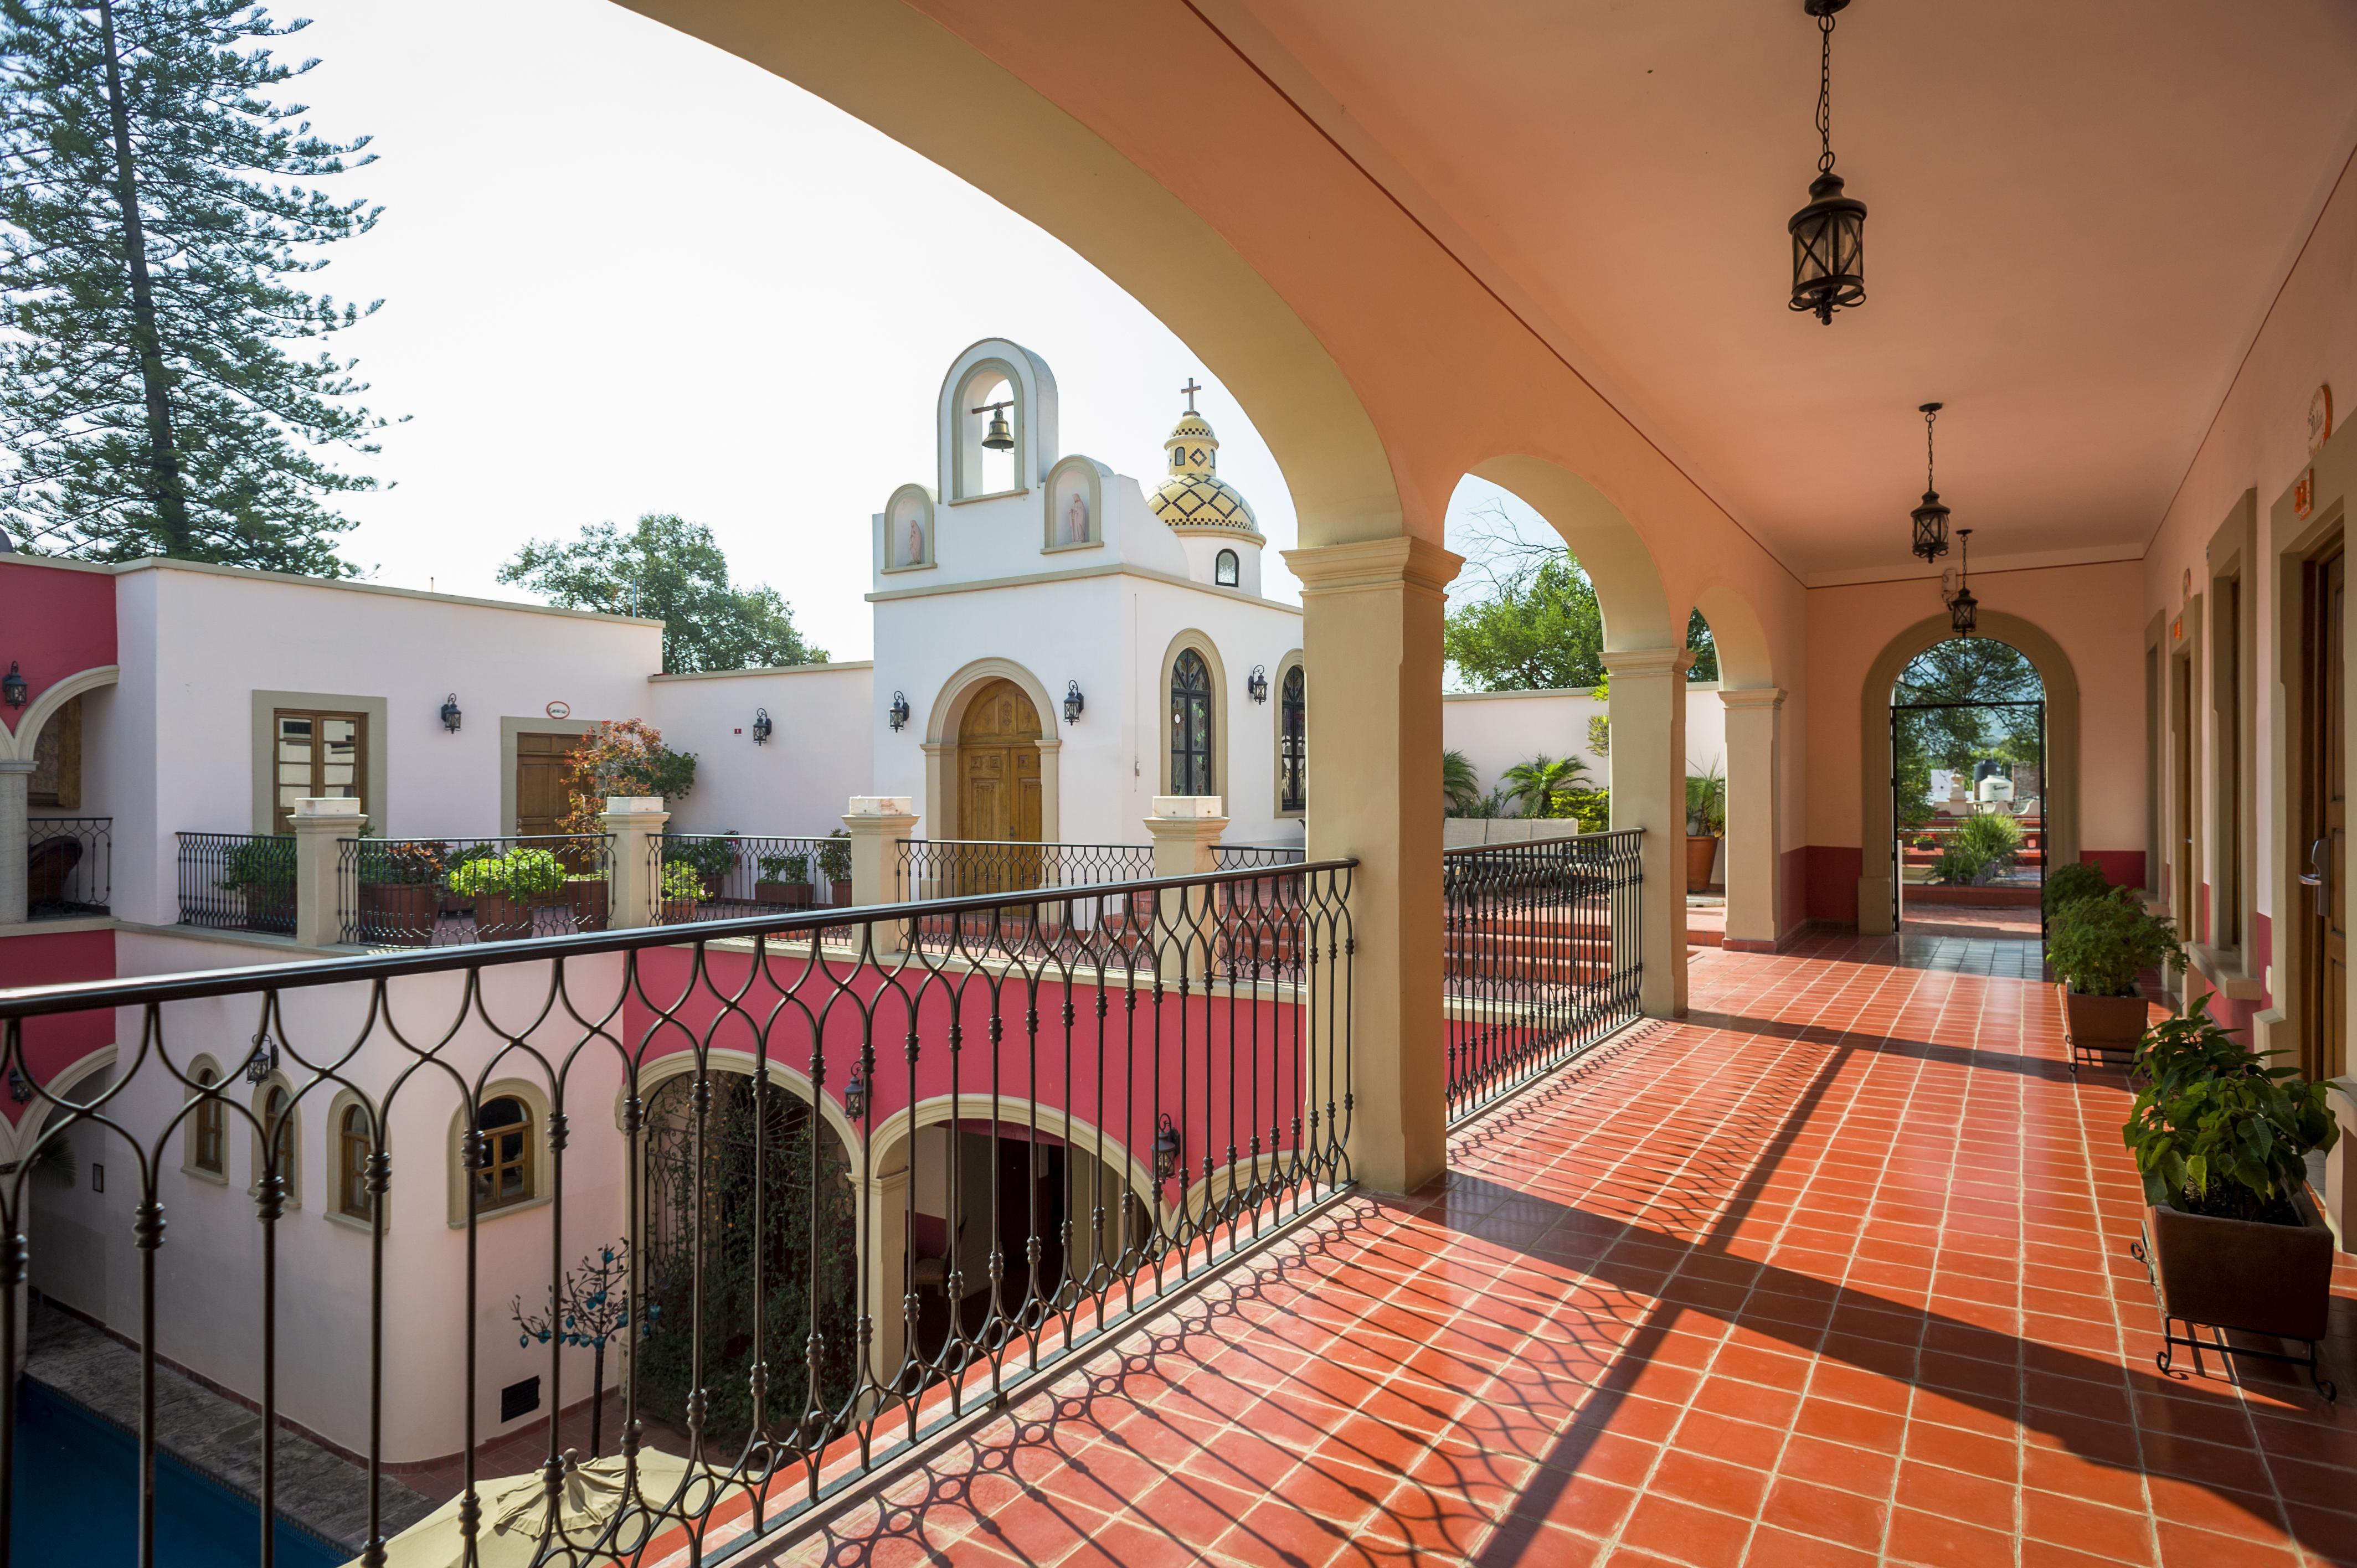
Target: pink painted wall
[
  {"x": 1221, "y": 1069},
  {"x": 55, "y": 621},
  {"x": 57, "y": 958}
]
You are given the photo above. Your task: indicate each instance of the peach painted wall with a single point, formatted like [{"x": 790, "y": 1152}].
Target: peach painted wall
[{"x": 2095, "y": 612}]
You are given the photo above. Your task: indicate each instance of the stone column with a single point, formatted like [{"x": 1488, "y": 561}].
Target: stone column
[
  {"x": 1371, "y": 643},
  {"x": 1755, "y": 849},
  {"x": 634, "y": 897},
  {"x": 887, "y": 1266},
  {"x": 1185, "y": 830},
  {"x": 15, "y": 784},
  {"x": 878, "y": 824},
  {"x": 320, "y": 824},
  {"x": 1649, "y": 791}
]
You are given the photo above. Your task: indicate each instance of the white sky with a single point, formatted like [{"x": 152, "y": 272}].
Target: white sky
[{"x": 638, "y": 274}]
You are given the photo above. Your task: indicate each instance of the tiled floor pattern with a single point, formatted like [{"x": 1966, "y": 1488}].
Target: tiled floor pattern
[
  {"x": 1834, "y": 1273},
  {"x": 1973, "y": 920}
]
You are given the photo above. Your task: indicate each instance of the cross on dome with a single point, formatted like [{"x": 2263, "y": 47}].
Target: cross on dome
[{"x": 1191, "y": 389}]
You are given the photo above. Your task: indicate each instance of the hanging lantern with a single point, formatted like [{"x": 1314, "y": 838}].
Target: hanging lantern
[
  {"x": 1829, "y": 233},
  {"x": 1964, "y": 610},
  {"x": 762, "y": 727},
  {"x": 998, "y": 438},
  {"x": 14, "y": 689},
  {"x": 1930, "y": 518},
  {"x": 1074, "y": 703},
  {"x": 899, "y": 711},
  {"x": 451, "y": 717},
  {"x": 1166, "y": 1149},
  {"x": 854, "y": 1095},
  {"x": 1257, "y": 683}
]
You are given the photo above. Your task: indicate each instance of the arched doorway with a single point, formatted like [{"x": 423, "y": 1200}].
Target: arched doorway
[
  {"x": 998, "y": 766},
  {"x": 1968, "y": 792}
]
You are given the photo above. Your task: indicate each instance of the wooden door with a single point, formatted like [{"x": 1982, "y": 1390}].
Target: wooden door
[
  {"x": 998, "y": 786},
  {"x": 2322, "y": 853},
  {"x": 545, "y": 781}
]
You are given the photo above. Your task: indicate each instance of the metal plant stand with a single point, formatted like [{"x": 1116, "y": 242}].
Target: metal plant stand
[{"x": 2141, "y": 1250}]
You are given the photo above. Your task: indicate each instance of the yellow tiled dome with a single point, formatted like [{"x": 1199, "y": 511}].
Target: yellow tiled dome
[{"x": 1194, "y": 497}]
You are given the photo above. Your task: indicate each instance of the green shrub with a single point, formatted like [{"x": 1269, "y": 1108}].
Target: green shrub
[
  {"x": 835, "y": 855},
  {"x": 521, "y": 872},
  {"x": 1981, "y": 849},
  {"x": 1707, "y": 803},
  {"x": 1592, "y": 809},
  {"x": 785, "y": 868},
  {"x": 2216, "y": 1130},
  {"x": 712, "y": 858},
  {"x": 681, "y": 881},
  {"x": 2098, "y": 946},
  {"x": 2069, "y": 884},
  {"x": 259, "y": 863},
  {"x": 402, "y": 862}
]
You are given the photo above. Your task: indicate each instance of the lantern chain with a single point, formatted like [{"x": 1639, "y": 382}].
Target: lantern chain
[
  {"x": 1825, "y": 92},
  {"x": 1929, "y": 415}
]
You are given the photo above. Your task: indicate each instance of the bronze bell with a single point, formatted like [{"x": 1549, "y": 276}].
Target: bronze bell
[{"x": 999, "y": 437}]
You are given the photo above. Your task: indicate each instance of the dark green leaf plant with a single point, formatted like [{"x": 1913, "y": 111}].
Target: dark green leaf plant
[{"x": 2218, "y": 1131}]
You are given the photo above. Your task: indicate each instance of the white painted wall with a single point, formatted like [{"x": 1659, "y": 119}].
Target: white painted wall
[
  {"x": 796, "y": 785},
  {"x": 1495, "y": 730}
]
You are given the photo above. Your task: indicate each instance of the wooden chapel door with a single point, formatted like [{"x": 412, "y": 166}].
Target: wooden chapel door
[
  {"x": 544, "y": 781},
  {"x": 998, "y": 786},
  {"x": 2324, "y": 1044}
]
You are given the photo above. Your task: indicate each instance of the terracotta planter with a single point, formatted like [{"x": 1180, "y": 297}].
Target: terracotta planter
[
  {"x": 786, "y": 895},
  {"x": 589, "y": 897},
  {"x": 1702, "y": 853},
  {"x": 2110, "y": 1023},
  {"x": 401, "y": 912},
  {"x": 843, "y": 890},
  {"x": 270, "y": 909},
  {"x": 679, "y": 911},
  {"x": 2244, "y": 1273},
  {"x": 500, "y": 918}
]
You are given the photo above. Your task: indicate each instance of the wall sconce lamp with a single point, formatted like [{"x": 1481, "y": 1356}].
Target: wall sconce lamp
[
  {"x": 1257, "y": 683},
  {"x": 20, "y": 1088},
  {"x": 854, "y": 1095},
  {"x": 1074, "y": 703},
  {"x": 1166, "y": 1149},
  {"x": 898, "y": 711},
  {"x": 13, "y": 687},
  {"x": 761, "y": 727},
  {"x": 451, "y": 716},
  {"x": 263, "y": 1061}
]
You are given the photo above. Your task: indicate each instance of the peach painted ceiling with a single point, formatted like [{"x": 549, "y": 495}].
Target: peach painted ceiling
[{"x": 2079, "y": 214}]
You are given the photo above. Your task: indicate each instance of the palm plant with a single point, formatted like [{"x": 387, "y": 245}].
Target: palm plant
[
  {"x": 1707, "y": 803},
  {"x": 1460, "y": 786},
  {"x": 1539, "y": 786}
]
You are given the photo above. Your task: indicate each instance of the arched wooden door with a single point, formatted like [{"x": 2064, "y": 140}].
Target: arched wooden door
[{"x": 998, "y": 785}]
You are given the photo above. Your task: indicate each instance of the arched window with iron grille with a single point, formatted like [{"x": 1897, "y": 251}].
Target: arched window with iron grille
[
  {"x": 1293, "y": 743},
  {"x": 1190, "y": 725}
]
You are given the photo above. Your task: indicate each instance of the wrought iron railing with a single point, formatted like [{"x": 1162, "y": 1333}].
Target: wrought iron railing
[
  {"x": 1059, "y": 883},
  {"x": 237, "y": 882},
  {"x": 69, "y": 865},
  {"x": 726, "y": 877},
  {"x": 839, "y": 1205},
  {"x": 1242, "y": 857},
  {"x": 421, "y": 892},
  {"x": 1544, "y": 955}
]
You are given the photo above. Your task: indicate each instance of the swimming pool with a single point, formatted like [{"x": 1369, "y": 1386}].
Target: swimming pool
[{"x": 77, "y": 1501}]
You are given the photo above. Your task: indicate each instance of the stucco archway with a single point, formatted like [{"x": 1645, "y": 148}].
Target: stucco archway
[
  {"x": 2061, "y": 802},
  {"x": 1754, "y": 701},
  {"x": 946, "y": 716}
]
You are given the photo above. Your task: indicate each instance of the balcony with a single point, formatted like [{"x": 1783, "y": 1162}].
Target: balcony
[{"x": 68, "y": 866}]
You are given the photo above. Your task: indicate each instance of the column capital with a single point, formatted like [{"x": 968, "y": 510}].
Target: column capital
[
  {"x": 1640, "y": 663},
  {"x": 17, "y": 764},
  {"x": 1770, "y": 697},
  {"x": 1401, "y": 561}
]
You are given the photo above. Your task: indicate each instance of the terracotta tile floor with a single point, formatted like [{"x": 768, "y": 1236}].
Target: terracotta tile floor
[{"x": 1832, "y": 1273}]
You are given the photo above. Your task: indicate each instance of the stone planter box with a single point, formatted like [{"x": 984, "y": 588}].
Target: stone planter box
[
  {"x": 500, "y": 918},
  {"x": 843, "y": 891},
  {"x": 401, "y": 912},
  {"x": 2243, "y": 1273},
  {"x": 2110, "y": 1026},
  {"x": 590, "y": 898},
  {"x": 786, "y": 895}
]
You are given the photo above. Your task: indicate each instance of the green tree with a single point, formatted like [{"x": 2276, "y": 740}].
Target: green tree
[
  {"x": 154, "y": 234},
  {"x": 1542, "y": 629},
  {"x": 1542, "y": 786},
  {"x": 669, "y": 569},
  {"x": 1460, "y": 786},
  {"x": 1706, "y": 649}
]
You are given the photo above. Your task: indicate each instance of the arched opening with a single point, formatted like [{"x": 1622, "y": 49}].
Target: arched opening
[
  {"x": 998, "y": 766},
  {"x": 1968, "y": 792},
  {"x": 750, "y": 1203},
  {"x": 987, "y": 408},
  {"x": 1191, "y": 727}
]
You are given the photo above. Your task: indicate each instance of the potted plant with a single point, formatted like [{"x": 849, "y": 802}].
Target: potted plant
[
  {"x": 2097, "y": 947},
  {"x": 589, "y": 896},
  {"x": 263, "y": 870},
  {"x": 1706, "y": 824},
  {"x": 2232, "y": 1238},
  {"x": 683, "y": 890},
  {"x": 711, "y": 859},
  {"x": 400, "y": 890},
  {"x": 835, "y": 864},
  {"x": 505, "y": 888},
  {"x": 785, "y": 880},
  {"x": 2069, "y": 884}
]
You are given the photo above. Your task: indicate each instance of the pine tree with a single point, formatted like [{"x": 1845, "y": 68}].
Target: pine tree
[{"x": 152, "y": 244}]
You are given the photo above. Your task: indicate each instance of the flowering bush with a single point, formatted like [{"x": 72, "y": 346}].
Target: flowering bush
[{"x": 623, "y": 757}]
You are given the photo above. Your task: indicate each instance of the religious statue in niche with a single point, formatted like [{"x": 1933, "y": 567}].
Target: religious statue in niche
[
  {"x": 1076, "y": 520},
  {"x": 914, "y": 551}
]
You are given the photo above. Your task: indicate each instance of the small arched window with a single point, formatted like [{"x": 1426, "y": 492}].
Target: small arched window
[
  {"x": 1226, "y": 570},
  {"x": 205, "y": 1151},
  {"x": 1293, "y": 743},
  {"x": 1191, "y": 724},
  {"x": 354, "y": 1147},
  {"x": 503, "y": 1168}
]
